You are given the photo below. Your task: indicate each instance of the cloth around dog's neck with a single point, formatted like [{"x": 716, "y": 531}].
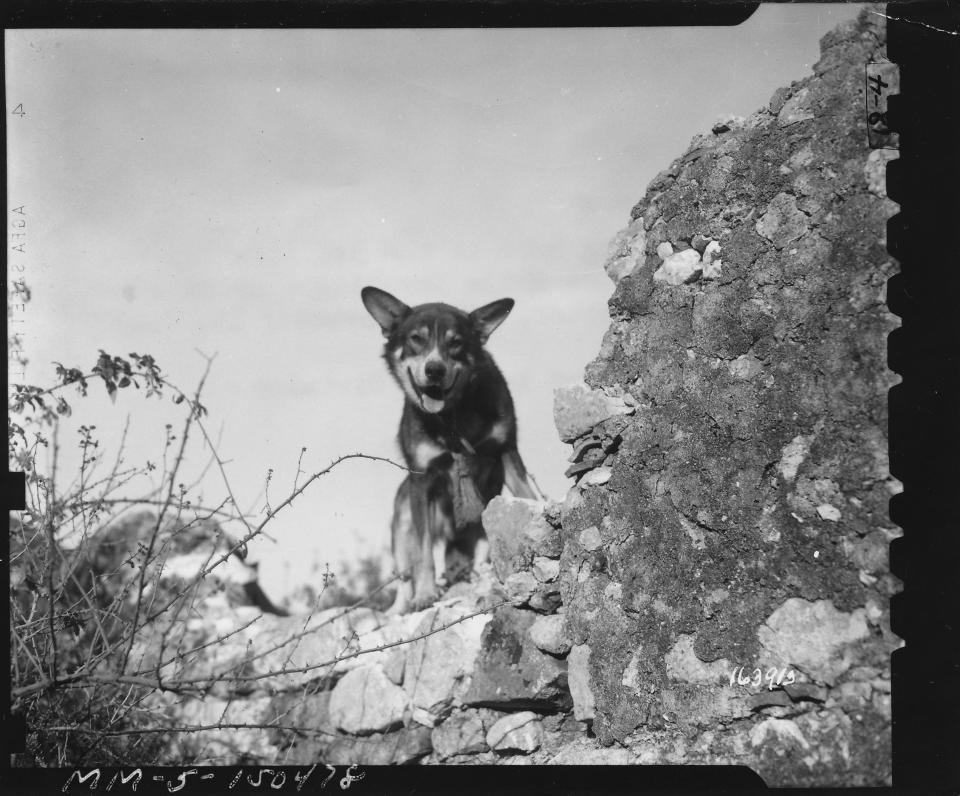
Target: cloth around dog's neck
[{"x": 456, "y": 442}]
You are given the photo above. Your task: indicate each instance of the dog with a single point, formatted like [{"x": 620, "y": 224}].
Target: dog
[{"x": 458, "y": 436}]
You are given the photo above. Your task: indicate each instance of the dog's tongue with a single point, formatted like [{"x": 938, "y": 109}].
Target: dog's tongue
[{"x": 432, "y": 405}]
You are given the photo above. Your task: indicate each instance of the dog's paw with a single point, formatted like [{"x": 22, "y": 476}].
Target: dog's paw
[
  {"x": 401, "y": 603},
  {"x": 425, "y": 600}
]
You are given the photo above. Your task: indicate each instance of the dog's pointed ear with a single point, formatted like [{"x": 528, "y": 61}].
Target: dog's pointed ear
[
  {"x": 386, "y": 310},
  {"x": 488, "y": 317}
]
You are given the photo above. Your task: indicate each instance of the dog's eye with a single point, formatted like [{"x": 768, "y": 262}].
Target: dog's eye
[
  {"x": 455, "y": 345},
  {"x": 417, "y": 339}
]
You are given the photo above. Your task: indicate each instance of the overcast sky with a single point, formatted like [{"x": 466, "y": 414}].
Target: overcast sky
[{"x": 233, "y": 190}]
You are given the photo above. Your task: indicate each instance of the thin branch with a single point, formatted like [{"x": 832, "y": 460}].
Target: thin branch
[
  {"x": 218, "y": 512},
  {"x": 51, "y": 546},
  {"x": 163, "y": 510},
  {"x": 197, "y": 728}
]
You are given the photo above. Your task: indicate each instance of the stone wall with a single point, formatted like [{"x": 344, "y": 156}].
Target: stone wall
[
  {"x": 732, "y": 505},
  {"x": 729, "y": 510}
]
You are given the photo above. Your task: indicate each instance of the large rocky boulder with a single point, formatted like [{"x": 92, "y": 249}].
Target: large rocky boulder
[{"x": 741, "y": 517}]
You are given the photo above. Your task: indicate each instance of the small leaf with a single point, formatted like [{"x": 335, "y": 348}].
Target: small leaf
[{"x": 124, "y": 382}]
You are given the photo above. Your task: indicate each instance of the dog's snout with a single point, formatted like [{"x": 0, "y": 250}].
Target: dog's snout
[{"x": 435, "y": 370}]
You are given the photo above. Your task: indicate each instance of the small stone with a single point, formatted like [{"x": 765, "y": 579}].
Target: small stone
[
  {"x": 726, "y": 123},
  {"x": 680, "y": 268},
  {"x": 828, "y": 512},
  {"x": 548, "y": 633},
  {"x": 783, "y": 222},
  {"x": 588, "y": 443},
  {"x": 597, "y": 477},
  {"x": 590, "y": 538},
  {"x": 545, "y": 569},
  {"x": 424, "y": 717},
  {"x": 792, "y": 456},
  {"x": 365, "y": 701},
  {"x": 699, "y": 242},
  {"x": 626, "y": 251},
  {"x": 613, "y": 591},
  {"x": 866, "y": 578},
  {"x": 781, "y": 732},
  {"x": 520, "y": 586},
  {"x": 795, "y": 109},
  {"x": 711, "y": 260},
  {"x": 778, "y": 98},
  {"x": 577, "y": 409},
  {"x": 578, "y": 678},
  {"x": 546, "y": 600},
  {"x": 875, "y": 170},
  {"x": 745, "y": 367},
  {"x": 804, "y": 156},
  {"x": 517, "y": 732},
  {"x": 461, "y": 734},
  {"x": 664, "y": 250}
]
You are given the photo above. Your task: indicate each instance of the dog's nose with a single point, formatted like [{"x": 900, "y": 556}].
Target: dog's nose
[{"x": 435, "y": 371}]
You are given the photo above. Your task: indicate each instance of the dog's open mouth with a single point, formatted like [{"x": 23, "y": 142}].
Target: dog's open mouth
[{"x": 433, "y": 397}]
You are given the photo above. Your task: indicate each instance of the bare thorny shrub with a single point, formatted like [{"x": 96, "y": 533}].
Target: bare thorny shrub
[{"x": 86, "y": 585}]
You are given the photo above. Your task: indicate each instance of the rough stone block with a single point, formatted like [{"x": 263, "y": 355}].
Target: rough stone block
[
  {"x": 680, "y": 268},
  {"x": 796, "y": 109},
  {"x": 812, "y": 636},
  {"x": 517, "y": 531},
  {"x": 510, "y": 672},
  {"x": 461, "y": 734},
  {"x": 549, "y": 634},
  {"x": 438, "y": 664},
  {"x": 518, "y": 732},
  {"x": 577, "y": 409},
  {"x": 626, "y": 251},
  {"x": 365, "y": 701},
  {"x": 578, "y": 677},
  {"x": 544, "y": 569},
  {"x": 783, "y": 222}
]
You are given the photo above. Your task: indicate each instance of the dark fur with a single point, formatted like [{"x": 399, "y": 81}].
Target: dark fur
[{"x": 458, "y": 433}]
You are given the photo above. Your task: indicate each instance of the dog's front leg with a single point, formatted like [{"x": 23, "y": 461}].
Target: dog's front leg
[
  {"x": 404, "y": 543},
  {"x": 423, "y": 571}
]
